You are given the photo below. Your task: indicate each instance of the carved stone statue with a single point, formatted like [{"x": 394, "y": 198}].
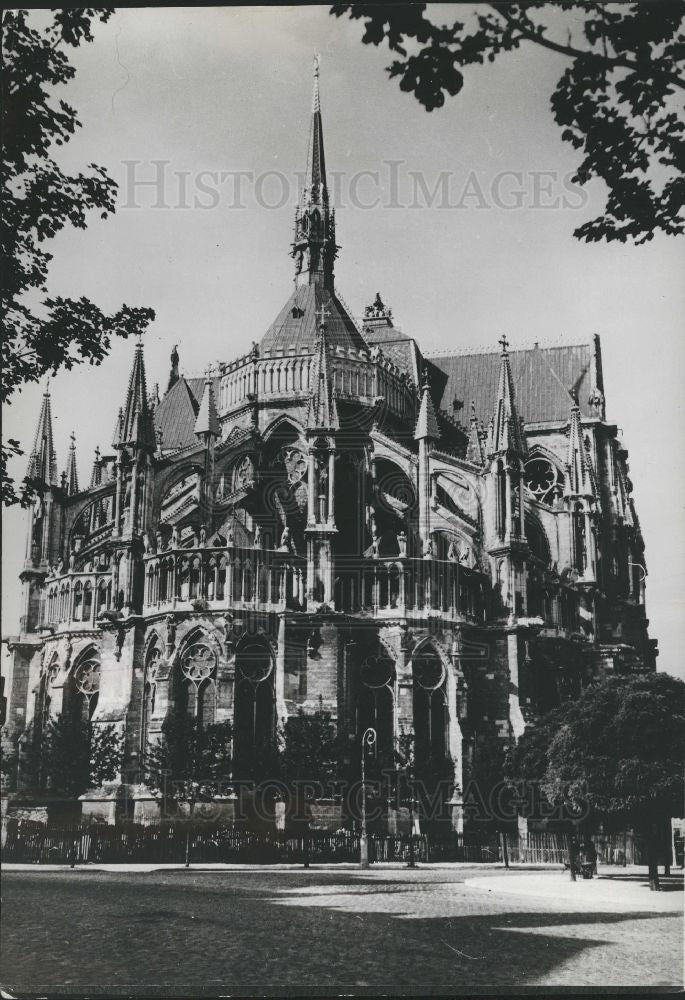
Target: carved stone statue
[
  {"x": 428, "y": 548},
  {"x": 174, "y": 537},
  {"x": 203, "y": 535},
  {"x": 402, "y": 542},
  {"x": 452, "y": 551},
  {"x": 286, "y": 544},
  {"x": 257, "y": 536}
]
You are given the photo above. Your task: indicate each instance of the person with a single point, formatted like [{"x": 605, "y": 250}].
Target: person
[{"x": 589, "y": 854}]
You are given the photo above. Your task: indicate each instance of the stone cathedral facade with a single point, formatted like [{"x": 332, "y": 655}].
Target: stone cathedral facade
[{"x": 436, "y": 545}]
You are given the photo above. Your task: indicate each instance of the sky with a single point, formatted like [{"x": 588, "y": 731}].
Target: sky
[{"x": 462, "y": 218}]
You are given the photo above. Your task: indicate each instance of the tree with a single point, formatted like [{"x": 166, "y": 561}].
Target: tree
[
  {"x": 190, "y": 762},
  {"x": 309, "y": 750},
  {"x": 72, "y": 754},
  {"x": 44, "y": 333},
  {"x": 618, "y": 754},
  {"x": 617, "y": 101}
]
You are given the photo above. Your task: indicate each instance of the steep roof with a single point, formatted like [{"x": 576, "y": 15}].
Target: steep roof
[
  {"x": 399, "y": 347},
  {"x": 297, "y": 324},
  {"x": 177, "y": 413},
  {"x": 542, "y": 378}
]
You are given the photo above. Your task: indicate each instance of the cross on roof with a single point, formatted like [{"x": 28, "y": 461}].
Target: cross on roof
[
  {"x": 323, "y": 315},
  {"x": 504, "y": 343}
]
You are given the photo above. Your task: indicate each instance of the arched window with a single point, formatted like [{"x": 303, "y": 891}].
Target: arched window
[
  {"x": 198, "y": 679},
  {"x": 255, "y": 708},
  {"x": 430, "y": 710},
  {"x": 543, "y": 480},
  {"x": 149, "y": 692},
  {"x": 84, "y": 687},
  {"x": 87, "y": 600},
  {"x": 579, "y": 540},
  {"x": 78, "y": 601},
  {"x": 376, "y": 699}
]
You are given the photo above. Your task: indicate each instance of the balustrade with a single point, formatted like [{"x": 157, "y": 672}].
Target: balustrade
[
  {"x": 227, "y": 576},
  {"x": 403, "y": 585},
  {"x": 76, "y": 598},
  {"x": 359, "y": 377}
]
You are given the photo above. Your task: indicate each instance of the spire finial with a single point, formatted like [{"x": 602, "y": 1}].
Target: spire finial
[
  {"x": 504, "y": 343},
  {"x": 316, "y": 103}
]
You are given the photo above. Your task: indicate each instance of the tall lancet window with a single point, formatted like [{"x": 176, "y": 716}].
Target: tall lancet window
[
  {"x": 149, "y": 693},
  {"x": 198, "y": 669},
  {"x": 502, "y": 513},
  {"x": 579, "y": 539}
]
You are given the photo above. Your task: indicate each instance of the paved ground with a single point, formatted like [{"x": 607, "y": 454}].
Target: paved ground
[{"x": 452, "y": 930}]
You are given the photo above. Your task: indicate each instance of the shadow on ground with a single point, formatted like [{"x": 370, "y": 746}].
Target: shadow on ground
[{"x": 167, "y": 935}]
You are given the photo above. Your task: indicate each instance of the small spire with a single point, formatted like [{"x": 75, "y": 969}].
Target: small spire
[
  {"x": 207, "y": 423},
  {"x": 71, "y": 471},
  {"x": 506, "y": 433},
  {"x": 43, "y": 459},
  {"x": 137, "y": 427},
  {"x": 322, "y": 412},
  {"x": 427, "y": 422},
  {"x": 474, "y": 449},
  {"x": 579, "y": 473},
  {"x": 96, "y": 475},
  {"x": 118, "y": 428}
]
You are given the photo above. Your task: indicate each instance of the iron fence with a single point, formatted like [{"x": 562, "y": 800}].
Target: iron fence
[{"x": 35, "y": 843}]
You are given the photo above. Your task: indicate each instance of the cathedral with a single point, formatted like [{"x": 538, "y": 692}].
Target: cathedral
[{"x": 444, "y": 546}]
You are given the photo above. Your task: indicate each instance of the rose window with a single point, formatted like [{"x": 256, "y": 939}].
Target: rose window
[
  {"x": 429, "y": 672},
  {"x": 87, "y": 677},
  {"x": 198, "y": 662},
  {"x": 543, "y": 480},
  {"x": 377, "y": 671},
  {"x": 255, "y": 664}
]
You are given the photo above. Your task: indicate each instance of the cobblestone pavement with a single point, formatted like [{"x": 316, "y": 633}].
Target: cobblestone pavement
[{"x": 326, "y": 932}]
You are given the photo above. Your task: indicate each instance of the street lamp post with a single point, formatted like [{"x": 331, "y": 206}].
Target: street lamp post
[{"x": 368, "y": 740}]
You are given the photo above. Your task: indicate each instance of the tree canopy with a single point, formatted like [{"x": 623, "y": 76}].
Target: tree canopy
[
  {"x": 44, "y": 333},
  {"x": 619, "y": 101},
  {"x": 190, "y": 762},
  {"x": 72, "y": 755},
  {"x": 620, "y": 750}
]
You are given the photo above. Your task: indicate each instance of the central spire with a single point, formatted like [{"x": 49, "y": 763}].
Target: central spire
[{"x": 313, "y": 248}]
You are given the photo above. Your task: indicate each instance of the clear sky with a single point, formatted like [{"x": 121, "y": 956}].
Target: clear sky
[{"x": 209, "y": 90}]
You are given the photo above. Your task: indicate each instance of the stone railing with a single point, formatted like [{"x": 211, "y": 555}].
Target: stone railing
[
  {"x": 77, "y": 598},
  {"x": 356, "y": 375},
  {"x": 230, "y": 576},
  {"x": 391, "y": 586}
]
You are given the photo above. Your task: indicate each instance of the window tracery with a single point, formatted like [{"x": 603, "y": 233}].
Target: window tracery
[{"x": 543, "y": 480}]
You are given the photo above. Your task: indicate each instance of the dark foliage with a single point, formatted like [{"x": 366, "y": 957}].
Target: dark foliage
[
  {"x": 619, "y": 102},
  {"x": 72, "y": 755},
  {"x": 310, "y": 749},
  {"x": 43, "y": 333},
  {"x": 190, "y": 762}
]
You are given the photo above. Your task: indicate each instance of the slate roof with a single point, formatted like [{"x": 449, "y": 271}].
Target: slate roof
[
  {"x": 540, "y": 396},
  {"x": 398, "y": 346},
  {"x": 177, "y": 412},
  {"x": 297, "y": 324}
]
